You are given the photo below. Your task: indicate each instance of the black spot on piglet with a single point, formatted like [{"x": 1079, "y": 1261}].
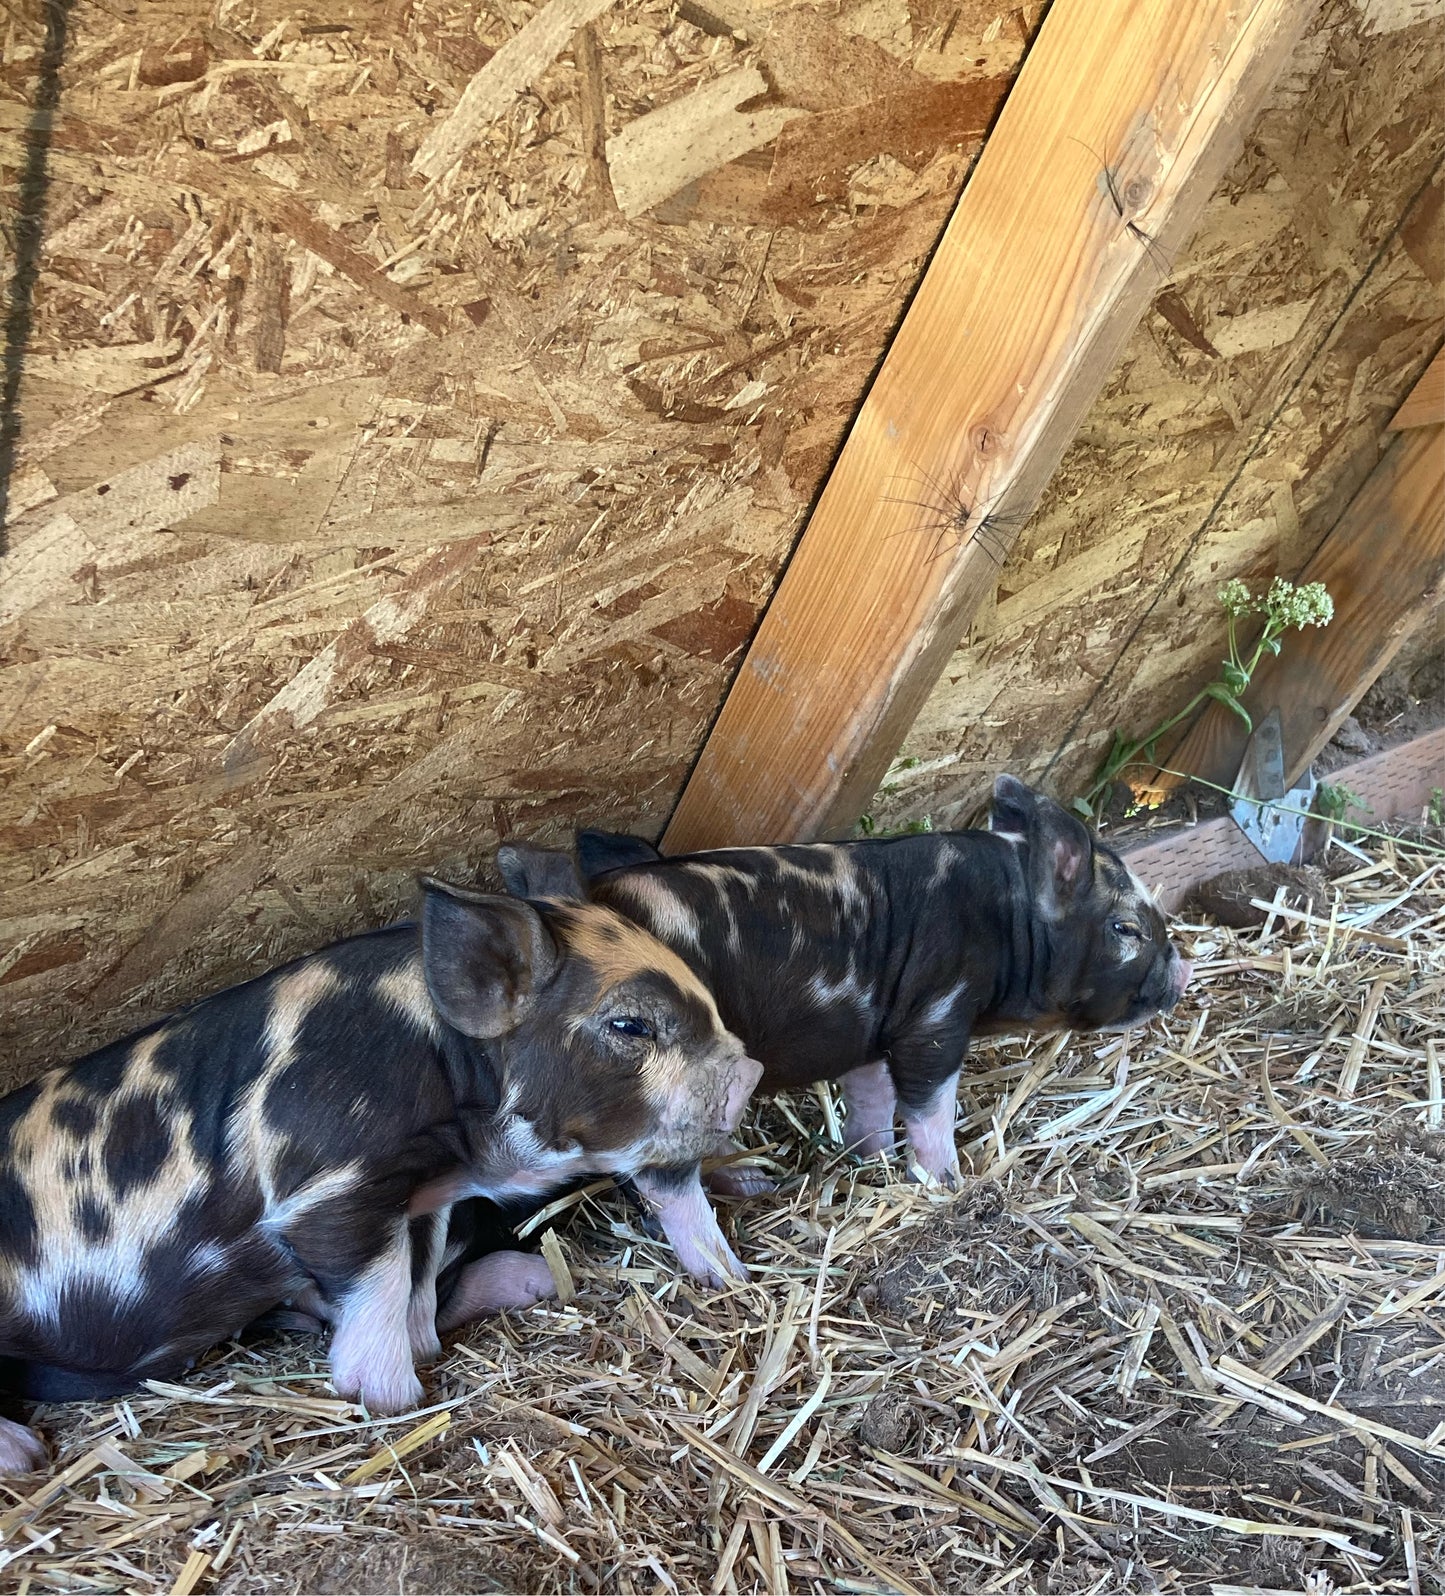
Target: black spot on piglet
[
  {"x": 18, "y": 1232},
  {"x": 137, "y": 1145},
  {"x": 74, "y": 1116},
  {"x": 91, "y": 1220}
]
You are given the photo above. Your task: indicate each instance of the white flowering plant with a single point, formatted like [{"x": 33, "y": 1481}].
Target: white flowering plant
[{"x": 1284, "y": 607}]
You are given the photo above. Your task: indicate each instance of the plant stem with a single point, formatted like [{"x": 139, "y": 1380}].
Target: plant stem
[
  {"x": 1306, "y": 814},
  {"x": 1129, "y": 754}
]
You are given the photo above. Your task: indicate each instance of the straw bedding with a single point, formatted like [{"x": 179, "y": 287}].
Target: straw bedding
[{"x": 1183, "y": 1331}]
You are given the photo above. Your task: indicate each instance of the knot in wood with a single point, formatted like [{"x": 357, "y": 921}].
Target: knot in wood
[
  {"x": 986, "y": 441},
  {"x": 1138, "y": 191}
]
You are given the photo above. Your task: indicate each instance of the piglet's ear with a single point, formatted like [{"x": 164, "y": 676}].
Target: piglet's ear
[
  {"x": 486, "y": 957},
  {"x": 539, "y": 872},
  {"x": 1012, "y": 810},
  {"x": 601, "y": 851},
  {"x": 1063, "y": 853}
]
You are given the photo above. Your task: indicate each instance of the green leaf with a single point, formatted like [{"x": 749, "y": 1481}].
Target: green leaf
[
  {"x": 1235, "y": 678},
  {"x": 1272, "y": 644},
  {"x": 1084, "y": 807},
  {"x": 1222, "y": 693}
]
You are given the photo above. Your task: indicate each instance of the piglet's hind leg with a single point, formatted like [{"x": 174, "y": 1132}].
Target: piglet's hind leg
[
  {"x": 21, "y": 1449},
  {"x": 500, "y": 1280}
]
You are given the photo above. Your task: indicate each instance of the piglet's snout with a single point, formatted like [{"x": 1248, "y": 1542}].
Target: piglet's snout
[
  {"x": 1180, "y": 974},
  {"x": 745, "y": 1075}
]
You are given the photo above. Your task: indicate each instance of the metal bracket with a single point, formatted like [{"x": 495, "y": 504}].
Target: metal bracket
[{"x": 1272, "y": 818}]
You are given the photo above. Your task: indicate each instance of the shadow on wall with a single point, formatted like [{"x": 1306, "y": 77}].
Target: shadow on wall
[{"x": 28, "y": 227}]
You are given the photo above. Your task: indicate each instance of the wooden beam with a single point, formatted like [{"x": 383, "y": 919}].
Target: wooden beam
[
  {"x": 1383, "y": 563},
  {"x": 1425, "y": 406},
  {"x": 1122, "y": 122}
]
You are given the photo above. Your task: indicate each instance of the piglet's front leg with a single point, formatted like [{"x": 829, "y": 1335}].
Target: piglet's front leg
[
  {"x": 929, "y": 1124},
  {"x": 870, "y": 1100},
  {"x": 428, "y": 1239},
  {"x": 371, "y": 1357},
  {"x": 925, "y": 1069},
  {"x": 677, "y": 1198}
]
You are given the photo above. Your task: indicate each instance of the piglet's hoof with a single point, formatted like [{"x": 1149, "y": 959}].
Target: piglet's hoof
[
  {"x": 717, "y": 1267},
  {"x": 500, "y": 1280},
  {"x": 287, "y": 1321},
  {"x": 306, "y": 1313},
  {"x": 21, "y": 1449},
  {"x": 379, "y": 1391},
  {"x": 947, "y": 1175},
  {"x": 738, "y": 1180}
]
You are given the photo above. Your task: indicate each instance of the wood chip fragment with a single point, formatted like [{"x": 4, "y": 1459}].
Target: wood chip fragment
[
  {"x": 527, "y": 54},
  {"x": 656, "y": 155}
]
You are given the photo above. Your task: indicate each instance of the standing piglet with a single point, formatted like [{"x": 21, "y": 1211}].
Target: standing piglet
[
  {"x": 876, "y": 962},
  {"x": 302, "y": 1138}
]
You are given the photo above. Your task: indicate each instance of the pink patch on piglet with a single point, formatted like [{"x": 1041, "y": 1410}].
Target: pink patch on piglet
[
  {"x": 21, "y": 1449},
  {"x": 500, "y": 1280}
]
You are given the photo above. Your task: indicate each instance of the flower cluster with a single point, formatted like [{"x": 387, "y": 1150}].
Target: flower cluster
[
  {"x": 1283, "y": 606},
  {"x": 1288, "y": 605}
]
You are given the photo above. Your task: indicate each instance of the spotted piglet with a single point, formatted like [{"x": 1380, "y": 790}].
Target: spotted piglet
[
  {"x": 876, "y": 962},
  {"x": 302, "y": 1138}
]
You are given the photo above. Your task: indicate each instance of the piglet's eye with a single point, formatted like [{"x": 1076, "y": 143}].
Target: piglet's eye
[
  {"x": 630, "y": 1025},
  {"x": 1122, "y": 929}
]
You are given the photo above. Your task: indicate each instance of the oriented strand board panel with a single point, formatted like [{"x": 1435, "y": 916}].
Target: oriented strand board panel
[
  {"x": 1245, "y": 413},
  {"x": 368, "y": 515}
]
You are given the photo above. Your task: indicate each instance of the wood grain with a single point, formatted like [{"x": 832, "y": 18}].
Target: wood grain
[
  {"x": 1191, "y": 467},
  {"x": 1383, "y": 565},
  {"x": 1044, "y": 269},
  {"x": 1425, "y": 405},
  {"x": 458, "y": 586}
]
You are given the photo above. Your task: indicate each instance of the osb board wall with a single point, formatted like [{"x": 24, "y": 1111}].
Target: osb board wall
[
  {"x": 1249, "y": 407},
  {"x": 369, "y": 515}
]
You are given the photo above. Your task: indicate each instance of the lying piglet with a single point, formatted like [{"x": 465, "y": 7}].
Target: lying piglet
[
  {"x": 303, "y": 1137},
  {"x": 876, "y": 962}
]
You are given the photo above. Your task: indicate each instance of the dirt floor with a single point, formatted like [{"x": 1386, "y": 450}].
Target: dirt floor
[
  {"x": 1183, "y": 1331},
  {"x": 1407, "y": 700}
]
